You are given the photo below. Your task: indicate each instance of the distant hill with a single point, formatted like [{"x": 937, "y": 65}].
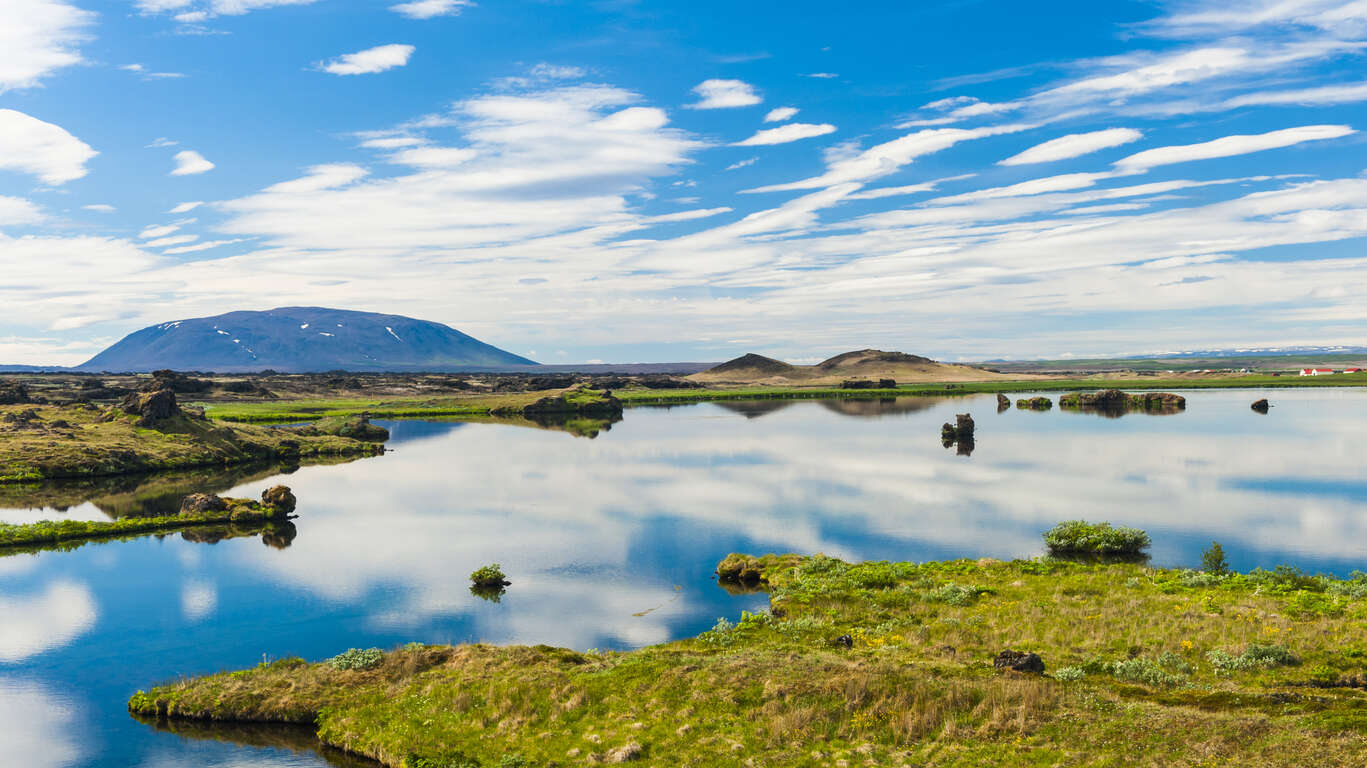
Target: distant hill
[
  {"x": 301, "y": 339},
  {"x": 860, "y": 364}
]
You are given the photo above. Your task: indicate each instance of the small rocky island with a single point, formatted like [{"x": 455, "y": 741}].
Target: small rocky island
[
  {"x": 1116, "y": 401},
  {"x": 277, "y": 505}
]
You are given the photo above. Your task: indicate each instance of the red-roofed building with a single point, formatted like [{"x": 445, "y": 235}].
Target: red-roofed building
[{"x": 1316, "y": 371}]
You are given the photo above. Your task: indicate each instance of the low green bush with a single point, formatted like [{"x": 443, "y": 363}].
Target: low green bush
[
  {"x": 1255, "y": 656},
  {"x": 1079, "y": 537},
  {"x": 489, "y": 576},
  {"x": 357, "y": 658}
]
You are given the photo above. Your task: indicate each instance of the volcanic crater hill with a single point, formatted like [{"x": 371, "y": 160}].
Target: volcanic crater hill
[
  {"x": 301, "y": 340},
  {"x": 871, "y": 364}
]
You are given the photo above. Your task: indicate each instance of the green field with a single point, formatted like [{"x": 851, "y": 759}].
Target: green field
[
  {"x": 1144, "y": 667},
  {"x": 281, "y": 411}
]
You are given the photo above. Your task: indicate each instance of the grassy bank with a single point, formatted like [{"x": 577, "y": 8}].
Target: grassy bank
[
  {"x": 283, "y": 411},
  {"x": 78, "y": 441},
  {"x": 51, "y": 532},
  {"x": 883, "y": 664}
]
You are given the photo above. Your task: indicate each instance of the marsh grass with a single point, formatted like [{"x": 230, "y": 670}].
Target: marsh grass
[{"x": 1132, "y": 647}]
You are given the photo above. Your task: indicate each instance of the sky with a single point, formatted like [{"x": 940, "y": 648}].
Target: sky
[{"x": 652, "y": 181}]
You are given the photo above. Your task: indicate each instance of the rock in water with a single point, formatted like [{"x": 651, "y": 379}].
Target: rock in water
[
  {"x": 279, "y": 497},
  {"x": 1003, "y": 402},
  {"x": 963, "y": 427},
  {"x": 151, "y": 407},
  {"x": 1019, "y": 661},
  {"x": 1261, "y": 406},
  {"x": 200, "y": 503}
]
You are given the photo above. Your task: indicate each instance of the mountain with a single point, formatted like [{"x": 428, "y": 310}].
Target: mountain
[
  {"x": 301, "y": 339},
  {"x": 861, "y": 364}
]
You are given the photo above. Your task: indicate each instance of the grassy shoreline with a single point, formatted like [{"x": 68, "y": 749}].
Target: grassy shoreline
[
  {"x": 56, "y": 532},
  {"x": 871, "y": 664},
  {"x": 490, "y": 405},
  {"x": 73, "y": 442}
]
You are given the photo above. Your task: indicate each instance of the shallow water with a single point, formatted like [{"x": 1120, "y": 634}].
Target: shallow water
[{"x": 610, "y": 542}]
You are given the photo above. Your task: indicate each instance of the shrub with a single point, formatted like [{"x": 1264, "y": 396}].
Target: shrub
[
  {"x": 1146, "y": 671},
  {"x": 1076, "y": 537},
  {"x": 357, "y": 658},
  {"x": 1285, "y": 578},
  {"x": 954, "y": 594},
  {"x": 489, "y": 576},
  {"x": 1069, "y": 674},
  {"x": 1255, "y": 656},
  {"x": 1213, "y": 560}
]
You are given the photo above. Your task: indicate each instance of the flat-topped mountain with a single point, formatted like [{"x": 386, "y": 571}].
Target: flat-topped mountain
[
  {"x": 872, "y": 364},
  {"x": 298, "y": 340}
]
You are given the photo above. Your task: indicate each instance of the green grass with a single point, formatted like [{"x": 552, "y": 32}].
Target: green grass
[
  {"x": 488, "y": 404},
  {"x": 1128, "y": 649}
]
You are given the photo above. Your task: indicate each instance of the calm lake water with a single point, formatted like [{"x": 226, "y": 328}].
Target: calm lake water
[{"x": 610, "y": 542}]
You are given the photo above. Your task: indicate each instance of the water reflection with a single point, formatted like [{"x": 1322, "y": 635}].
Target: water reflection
[
  {"x": 37, "y": 727},
  {"x": 611, "y": 542},
  {"x": 52, "y": 617}
]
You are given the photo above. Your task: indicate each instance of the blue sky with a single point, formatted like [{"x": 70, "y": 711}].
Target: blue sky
[{"x": 656, "y": 181}]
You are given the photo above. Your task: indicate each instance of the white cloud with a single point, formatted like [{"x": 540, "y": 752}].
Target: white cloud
[
  {"x": 16, "y": 210},
  {"x": 1074, "y": 145},
  {"x": 1232, "y": 145},
  {"x": 369, "y": 61},
  {"x": 393, "y": 142},
  {"x": 164, "y": 242},
  {"x": 100, "y": 207},
  {"x": 43, "y": 150},
  {"x": 186, "y": 207},
  {"x": 197, "y": 247},
  {"x": 1328, "y": 94},
  {"x": 779, "y": 114},
  {"x": 189, "y": 162},
  {"x": 427, "y": 9},
  {"x": 822, "y": 75},
  {"x": 37, "y": 38},
  {"x": 888, "y": 157},
  {"x": 786, "y": 133},
  {"x": 149, "y": 75},
  {"x": 724, "y": 94},
  {"x": 742, "y": 163}
]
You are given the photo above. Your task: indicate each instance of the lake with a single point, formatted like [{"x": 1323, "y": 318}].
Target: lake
[{"x": 610, "y": 542}]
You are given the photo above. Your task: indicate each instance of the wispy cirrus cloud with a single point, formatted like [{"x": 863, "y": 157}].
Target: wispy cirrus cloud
[
  {"x": 785, "y": 134},
  {"x": 1074, "y": 145},
  {"x": 1229, "y": 146}
]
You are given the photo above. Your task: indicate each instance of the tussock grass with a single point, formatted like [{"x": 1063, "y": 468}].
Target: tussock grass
[{"x": 1134, "y": 680}]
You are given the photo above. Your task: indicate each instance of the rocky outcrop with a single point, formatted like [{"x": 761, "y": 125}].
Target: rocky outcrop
[
  {"x": 357, "y": 427},
  {"x": 1034, "y": 403},
  {"x": 739, "y": 569},
  {"x": 579, "y": 402},
  {"x": 279, "y": 498},
  {"x": 202, "y": 503},
  {"x": 858, "y": 384},
  {"x": 959, "y": 433},
  {"x": 1003, "y": 402},
  {"x": 1261, "y": 406},
  {"x": 14, "y": 394},
  {"x": 1019, "y": 661},
  {"x": 151, "y": 407},
  {"x": 176, "y": 382},
  {"x": 1116, "y": 401}
]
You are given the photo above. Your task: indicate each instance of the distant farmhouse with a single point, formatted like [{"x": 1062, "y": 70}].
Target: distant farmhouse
[{"x": 1327, "y": 371}]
